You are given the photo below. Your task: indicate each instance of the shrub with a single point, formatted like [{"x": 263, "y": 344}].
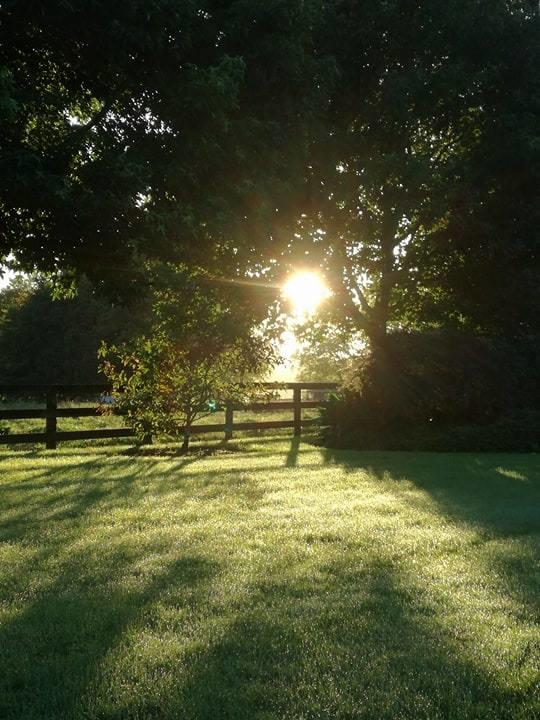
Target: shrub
[{"x": 440, "y": 390}]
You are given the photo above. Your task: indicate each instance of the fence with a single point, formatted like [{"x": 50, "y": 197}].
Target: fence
[{"x": 51, "y": 413}]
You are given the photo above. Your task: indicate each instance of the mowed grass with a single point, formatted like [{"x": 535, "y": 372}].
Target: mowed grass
[{"x": 272, "y": 580}]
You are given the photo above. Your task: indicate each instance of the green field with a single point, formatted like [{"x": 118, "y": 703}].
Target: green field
[{"x": 270, "y": 579}]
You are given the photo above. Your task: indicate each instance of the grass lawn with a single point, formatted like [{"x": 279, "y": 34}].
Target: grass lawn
[{"x": 275, "y": 580}]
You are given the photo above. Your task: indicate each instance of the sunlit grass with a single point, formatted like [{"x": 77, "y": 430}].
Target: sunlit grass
[{"x": 269, "y": 580}]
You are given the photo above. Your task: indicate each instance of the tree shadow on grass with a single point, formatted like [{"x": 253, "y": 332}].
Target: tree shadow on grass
[
  {"x": 64, "y": 492},
  {"x": 499, "y": 493},
  {"x": 292, "y": 456},
  {"x": 496, "y": 496},
  {"x": 349, "y": 642},
  {"x": 73, "y": 488},
  {"x": 195, "y": 452},
  {"x": 64, "y": 497},
  {"x": 71, "y": 606},
  {"x": 51, "y": 652},
  {"x": 349, "y": 638}
]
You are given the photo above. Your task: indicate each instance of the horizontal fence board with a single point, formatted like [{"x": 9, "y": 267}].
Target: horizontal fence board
[
  {"x": 32, "y": 413},
  {"x": 14, "y": 438},
  {"x": 279, "y": 405},
  {"x": 94, "y": 434},
  {"x": 60, "y": 389},
  {"x": 306, "y": 385},
  {"x": 51, "y": 393},
  {"x": 104, "y": 433},
  {"x": 24, "y": 390},
  {"x": 23, "y": 414},
  {"x": 199, "y": 429},
  {"x": 265, "y": 425}
]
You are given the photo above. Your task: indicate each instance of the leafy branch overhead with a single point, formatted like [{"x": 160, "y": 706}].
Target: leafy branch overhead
[
  {"x": 136, "y": 130},
  {"x": 392, "y": 144}
]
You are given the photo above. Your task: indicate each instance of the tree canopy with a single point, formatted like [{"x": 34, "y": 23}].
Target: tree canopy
[
  {"x": 168, "y": 129},
  {"x": 422, "y": 180},
  {"x": 393, "y": 144}
]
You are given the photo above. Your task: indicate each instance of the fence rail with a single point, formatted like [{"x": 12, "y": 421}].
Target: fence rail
[{"x": 51, "y": 412}]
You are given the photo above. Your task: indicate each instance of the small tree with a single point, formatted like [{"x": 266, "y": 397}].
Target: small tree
[
  {"x": 164, "y": 386},
  {"x": 201, "y": 352}
]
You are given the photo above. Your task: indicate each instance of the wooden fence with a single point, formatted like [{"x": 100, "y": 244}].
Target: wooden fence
[{"x": 51, "y": 412}]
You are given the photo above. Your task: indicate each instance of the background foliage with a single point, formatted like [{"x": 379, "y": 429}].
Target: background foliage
[
  {"x": 421, "y": 200},
  {"x": 49, "y": 340},
  {"x": 443, "y": 390}
]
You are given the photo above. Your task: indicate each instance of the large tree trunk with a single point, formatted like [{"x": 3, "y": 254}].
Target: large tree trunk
[
  {"x": 147, "y": 436},
  {"x": 377, "y": 328},
  {"x": 377, "y": 333},
  {"x": 373, "y": 317}
]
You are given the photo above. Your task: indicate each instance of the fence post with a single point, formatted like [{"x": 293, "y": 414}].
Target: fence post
[
  {"x": 228, "y": 420},
  {"x": 297, "y": 398},
  {"x": 50, "y": 420}
]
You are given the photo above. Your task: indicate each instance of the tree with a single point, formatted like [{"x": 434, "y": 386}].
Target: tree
[
  {"x": 164, "y": 387},
  {"x": 408, "y": 178},
  {"x": 14, "y": 295},
  {"x": 200, "y": 353},
  {"x": 484, "y": 254},
  {"x": 325, "y": 350},
  {"x": 44, "y": 340},
  {"x": 170, "y": 129},
  {"x": 441, "y": 390}
]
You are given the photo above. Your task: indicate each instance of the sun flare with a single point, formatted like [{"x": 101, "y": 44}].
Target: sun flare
[{"x": 306, "y": 291}]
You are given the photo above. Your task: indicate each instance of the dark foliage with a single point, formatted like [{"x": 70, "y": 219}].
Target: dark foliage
[
  {"x": 441, "y": 391},
  {"x": 47, "y": 341},
  {"x": 149, "y": 129},
  {"x": 423, "y": 183}
]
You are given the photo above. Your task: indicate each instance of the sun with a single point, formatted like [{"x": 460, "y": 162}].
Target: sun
[{"x": 306, "y": 291}]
